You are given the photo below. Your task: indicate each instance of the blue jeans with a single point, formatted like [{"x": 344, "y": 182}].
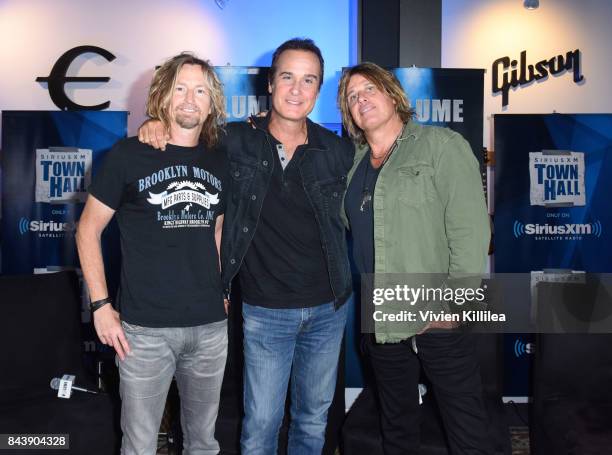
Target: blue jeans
[
  {"x": 278, "y": 343},
  {"x": 196, "y": 357}
]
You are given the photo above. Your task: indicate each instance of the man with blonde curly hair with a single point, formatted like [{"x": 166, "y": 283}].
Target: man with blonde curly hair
[{"x": 169, "y": 319}]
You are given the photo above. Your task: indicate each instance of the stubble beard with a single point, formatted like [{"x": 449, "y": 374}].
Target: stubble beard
[{"x": 188, "y": 122}]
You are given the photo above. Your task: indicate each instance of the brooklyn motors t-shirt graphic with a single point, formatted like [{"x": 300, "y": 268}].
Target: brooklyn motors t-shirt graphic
[
  {"x": 62, "y": 174},
  {"x": 557, "y": 178},
  {"x": 192, "y": 197}
]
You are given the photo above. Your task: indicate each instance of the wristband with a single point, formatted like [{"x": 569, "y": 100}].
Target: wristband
[{"x": 94, "y": 306}]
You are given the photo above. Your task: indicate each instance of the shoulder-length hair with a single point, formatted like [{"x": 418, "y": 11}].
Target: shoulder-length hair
[
  {"x": 162, "y": 88},
  {"x": 385, "y": 81}
]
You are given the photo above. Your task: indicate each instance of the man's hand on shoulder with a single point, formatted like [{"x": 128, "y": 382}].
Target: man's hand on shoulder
[
  {"x": 153, "y": 133},
  {"x": 109, "y": 330},
  {"x": 259, "y": 114}
]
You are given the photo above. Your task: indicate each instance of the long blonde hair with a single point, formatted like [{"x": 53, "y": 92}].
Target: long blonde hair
[{"x": 162, "y": 87}]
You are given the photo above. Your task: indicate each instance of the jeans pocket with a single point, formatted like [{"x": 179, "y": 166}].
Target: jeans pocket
[{"x": 132, "y": 328}]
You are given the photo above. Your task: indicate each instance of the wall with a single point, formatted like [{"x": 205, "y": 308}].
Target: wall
[
  {"x": 141, "y": 34},
  {"x": 420, "y": 33},
  {"x": 477, "y": 32}
]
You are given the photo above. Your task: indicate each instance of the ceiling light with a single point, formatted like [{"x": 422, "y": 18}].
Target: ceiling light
[{"x": 531, "y": 4}]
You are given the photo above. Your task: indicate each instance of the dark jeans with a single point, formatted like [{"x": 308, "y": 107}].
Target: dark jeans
[{"x": 449, "y": 361}]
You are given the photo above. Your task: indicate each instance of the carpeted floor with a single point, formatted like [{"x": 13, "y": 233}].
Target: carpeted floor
[
  {"x": 519, "y": 436},
  {"x": 516, "y": 415}
]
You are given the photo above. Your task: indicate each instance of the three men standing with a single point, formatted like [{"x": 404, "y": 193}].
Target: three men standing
[{"x": 285, "y": 240}]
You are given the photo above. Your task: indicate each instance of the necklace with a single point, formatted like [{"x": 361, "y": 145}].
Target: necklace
[{"x": 366, "y": 193}]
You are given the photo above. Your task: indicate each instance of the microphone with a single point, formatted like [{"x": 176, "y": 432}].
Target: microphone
[{"x": 64, "y": 386}]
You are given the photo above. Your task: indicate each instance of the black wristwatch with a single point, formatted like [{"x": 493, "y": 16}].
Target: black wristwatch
[{"x": 93, "y": 306}]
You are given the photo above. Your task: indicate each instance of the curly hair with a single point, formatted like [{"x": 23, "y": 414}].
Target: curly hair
[{"x": 162, "y": 88}]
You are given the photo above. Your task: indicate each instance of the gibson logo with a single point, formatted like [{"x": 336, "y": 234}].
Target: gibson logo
[{"x": 509, "y": 76}]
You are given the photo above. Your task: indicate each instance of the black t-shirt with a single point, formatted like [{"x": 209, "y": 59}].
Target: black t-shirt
[
  {"x": 166, "y": 206},
  {"x": 358, "y": 204},
  {"x": 285, "y": 266},
  {"x": 360, "y": 195}
]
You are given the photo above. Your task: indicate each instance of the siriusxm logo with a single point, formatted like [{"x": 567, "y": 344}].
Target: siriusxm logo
[
  {"x": 521, "y": 349},
  {"x": 40, "y": 226},
  {"x": 520, "y": 229},
  {"x": 24, "y": 225}
]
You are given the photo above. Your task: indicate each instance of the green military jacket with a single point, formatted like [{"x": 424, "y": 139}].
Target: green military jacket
[{"x": 430, "y": 214}]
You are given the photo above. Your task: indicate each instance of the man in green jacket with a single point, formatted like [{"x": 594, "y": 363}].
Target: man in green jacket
[{"x": 415, "y": 206}]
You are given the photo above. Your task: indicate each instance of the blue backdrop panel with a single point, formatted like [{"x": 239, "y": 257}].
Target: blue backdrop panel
[
  {"x": 552, "y": 209},
  {"x": 246, "y": 90},
  {"x": 530, "y": 237},
  {"x": 47, "y": 163},
  {"x": 48, "y": 159},
  {"x": 447, "y": 97}
]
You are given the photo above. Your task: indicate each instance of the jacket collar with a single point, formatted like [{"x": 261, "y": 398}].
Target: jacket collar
[
  {"x": 412, "y": 131},
  {"x": 314, "y": 137}
]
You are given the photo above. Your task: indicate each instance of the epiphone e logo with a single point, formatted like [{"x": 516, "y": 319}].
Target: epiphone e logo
[
  {"x": 57, "y": 78},
  {"x": 507, "y": 75}
]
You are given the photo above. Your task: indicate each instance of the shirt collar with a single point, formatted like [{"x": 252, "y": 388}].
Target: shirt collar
[{"x": 314, "y": 139}]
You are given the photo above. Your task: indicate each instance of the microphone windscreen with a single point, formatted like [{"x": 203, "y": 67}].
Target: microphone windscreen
[{"x": 55, "y": 383}]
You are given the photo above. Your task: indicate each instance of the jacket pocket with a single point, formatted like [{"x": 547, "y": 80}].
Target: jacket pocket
[
  {"x": 332, "y": 192},
  {"x": 242, "y": 175},
  {"x": 416, "y": 187}
]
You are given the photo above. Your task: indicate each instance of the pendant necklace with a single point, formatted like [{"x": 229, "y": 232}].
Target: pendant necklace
[{"x": 366, "y": 193}]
